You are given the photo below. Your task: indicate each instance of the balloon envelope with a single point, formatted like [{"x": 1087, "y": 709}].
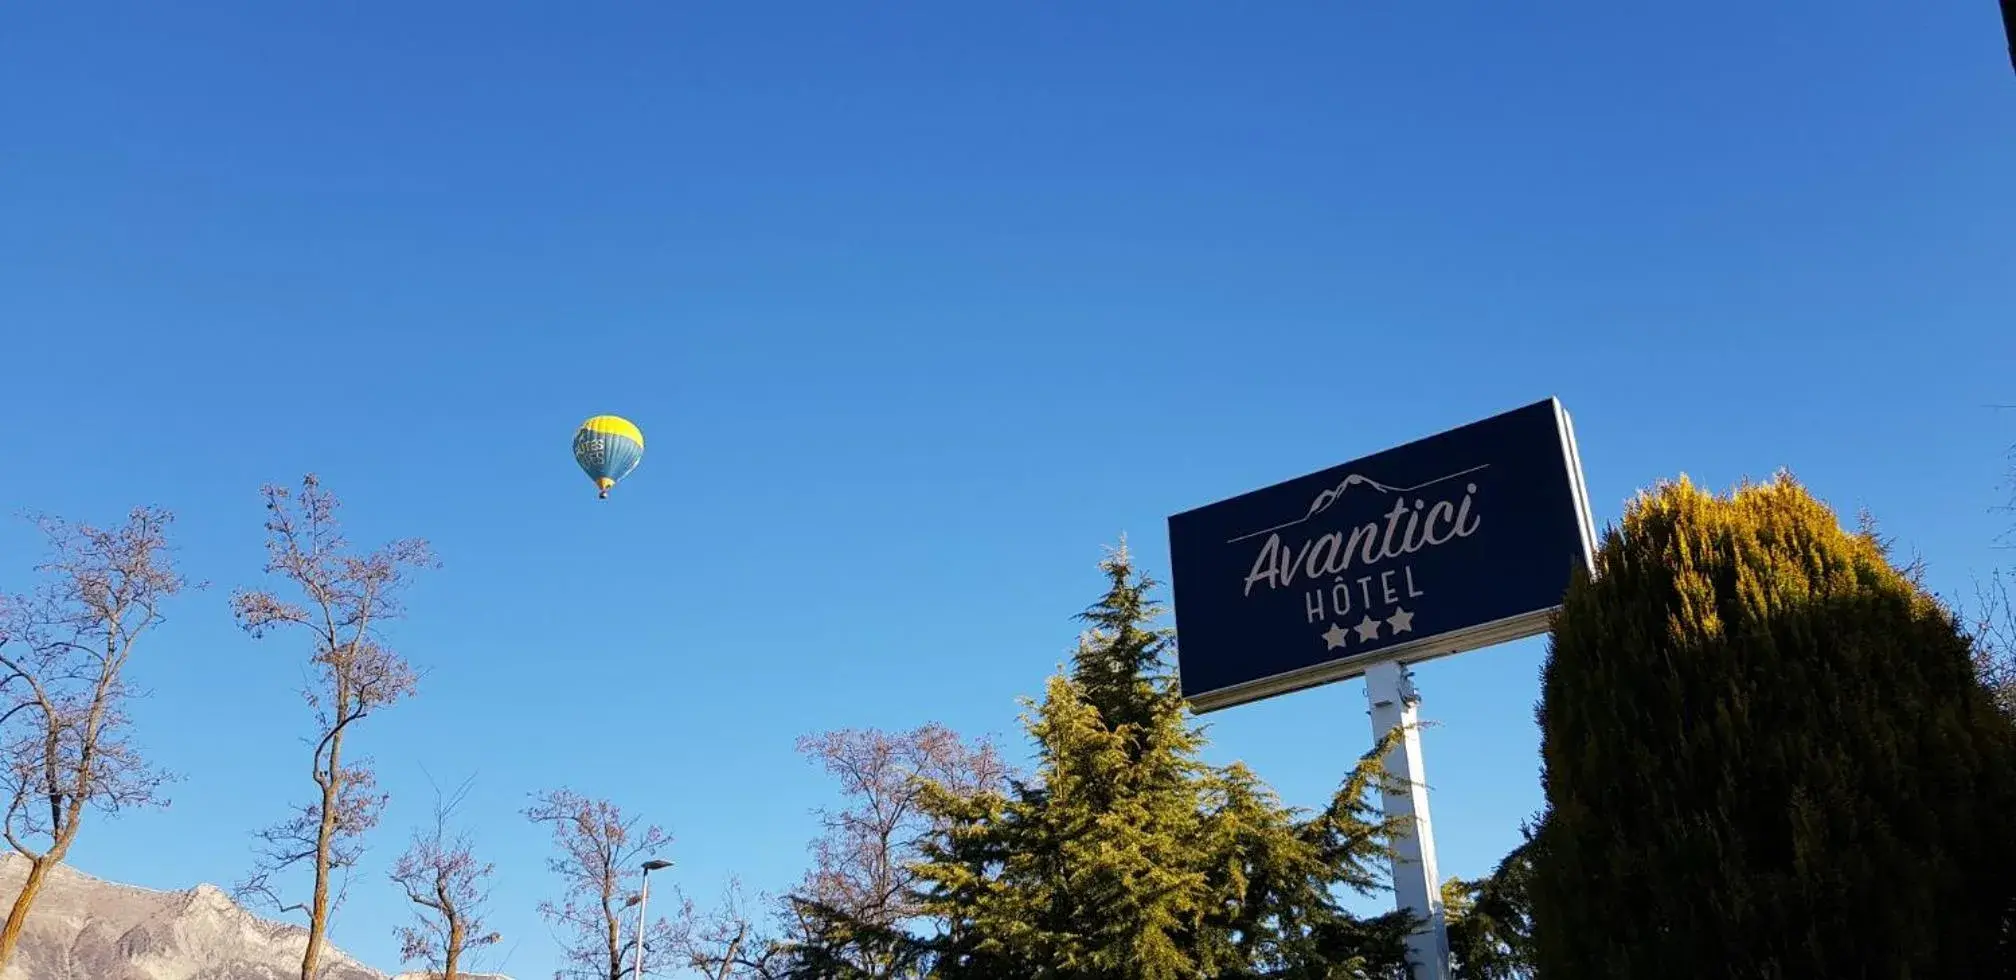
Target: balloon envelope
[{"x": 608, "y": 447}]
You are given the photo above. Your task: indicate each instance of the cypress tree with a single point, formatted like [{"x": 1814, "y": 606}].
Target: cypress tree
[
  {"x": 1128, "y": 857},
  {"x": 1766, "y": 755}
]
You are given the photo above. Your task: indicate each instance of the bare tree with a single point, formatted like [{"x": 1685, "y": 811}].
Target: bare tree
[
  {"x": 444, "y": 881},
  {"x": 1994, "y": 633},
  {"x": 346, "y": 599},
  {"x": 727, "y": 942},
  {"x": 1994, "y": 618},
  {"x": 601, "y": 858},
  {"x": 847, "y": 916},
  {"x": 65, "y": 741},
  {"x": 860, "y": 876}
]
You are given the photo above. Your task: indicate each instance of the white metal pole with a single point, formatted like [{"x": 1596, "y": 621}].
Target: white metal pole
[
  {"x": 643, "y": 896},
  {"x": 1417, "y": 887}
]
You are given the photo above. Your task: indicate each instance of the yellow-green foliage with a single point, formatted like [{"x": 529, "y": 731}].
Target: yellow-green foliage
[
  {"x": 1766, "y": 755},
  {"x": 1129, "y": 858}
]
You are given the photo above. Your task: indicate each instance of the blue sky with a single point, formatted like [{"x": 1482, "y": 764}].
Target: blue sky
[{"x": 919, "y": 306}]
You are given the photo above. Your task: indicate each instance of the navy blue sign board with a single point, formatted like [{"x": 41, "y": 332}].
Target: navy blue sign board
[{"x": 1450, "y": 543}]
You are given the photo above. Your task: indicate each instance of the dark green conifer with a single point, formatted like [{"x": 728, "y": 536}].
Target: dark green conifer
[
  {"x": 1131, "y": 859},
  {"x": 1490, "y": 920},
  {"x": 1766, "y": 755}
]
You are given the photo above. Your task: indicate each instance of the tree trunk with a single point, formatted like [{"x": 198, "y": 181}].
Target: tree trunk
[
  {"x": 615, "y": 947},
  {"x": 17, "y": 916},
  {"x": 728, "y": 958},
  {"x": 453, "y": 958},
  {"x": 325, "y": 836}
]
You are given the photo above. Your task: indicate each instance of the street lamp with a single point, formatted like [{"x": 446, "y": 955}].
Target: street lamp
[{"x": 644, "y": 895}]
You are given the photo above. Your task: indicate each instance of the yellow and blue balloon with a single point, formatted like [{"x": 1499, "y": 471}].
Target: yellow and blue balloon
[{"x": 608, "y": 447}]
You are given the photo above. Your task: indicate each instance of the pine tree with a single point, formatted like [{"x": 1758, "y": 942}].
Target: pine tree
[
  {"x": 1128, "y": 858},
  {"x": 1766, "y": 755},
  {"x": 1490, "y": 919}
]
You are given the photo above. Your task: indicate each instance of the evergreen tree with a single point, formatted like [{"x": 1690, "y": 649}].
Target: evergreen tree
[
  {"x": 1129, "y": 858},
  {"x": 1766, "y": 755},
  {"x": 1490, "y": 920}
]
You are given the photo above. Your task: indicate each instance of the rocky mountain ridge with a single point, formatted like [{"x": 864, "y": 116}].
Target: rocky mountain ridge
[{"x": 87, "y": 928}]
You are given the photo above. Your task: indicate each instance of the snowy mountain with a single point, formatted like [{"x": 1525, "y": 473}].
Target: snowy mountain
[{"x": 85, "y": 928}]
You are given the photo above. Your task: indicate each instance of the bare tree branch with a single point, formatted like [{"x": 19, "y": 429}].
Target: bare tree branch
[
  {"x": 440, "y": 875},
  {"x": 1994, "y": 633},
  {"x": 65, "y": 742},
  {"x": 727, "y": 943},
  {"x": 861, "y": 888},
  {"x": 346, "y": 598},
  {"x": 601, "y": 854},
  {"x": 1994, "y": 617}
]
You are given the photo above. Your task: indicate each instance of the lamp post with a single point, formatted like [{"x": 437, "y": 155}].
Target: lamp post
[{"x": 643, "y": 896}]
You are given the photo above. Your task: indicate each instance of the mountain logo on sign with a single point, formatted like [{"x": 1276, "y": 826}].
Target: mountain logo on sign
[{"x": 1330, "y": 496}]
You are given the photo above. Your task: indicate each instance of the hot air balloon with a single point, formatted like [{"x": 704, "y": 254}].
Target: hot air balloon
[{"x": 608, "y": 447}]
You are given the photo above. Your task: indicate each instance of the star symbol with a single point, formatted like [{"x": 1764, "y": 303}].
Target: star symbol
[
  {"x": 1402, "y": 621},
  {"x": 1368, "y": 628},
  {"x": 1335, "y": 636}
]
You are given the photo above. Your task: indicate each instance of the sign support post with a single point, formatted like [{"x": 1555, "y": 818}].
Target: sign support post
[{"x": 1417, "y": 885}]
